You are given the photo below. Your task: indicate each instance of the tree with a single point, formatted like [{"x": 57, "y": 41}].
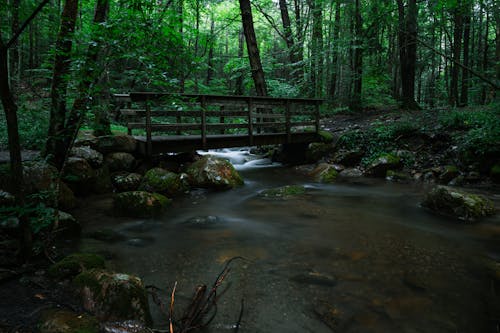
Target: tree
[{"x": 252, "y": 48}]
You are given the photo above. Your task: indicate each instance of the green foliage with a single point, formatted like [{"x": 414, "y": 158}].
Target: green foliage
[{"x": 377, "y": 92}]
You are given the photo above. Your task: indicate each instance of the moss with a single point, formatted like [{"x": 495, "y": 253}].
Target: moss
[
  {"x": 326, "y": 136},
  {"x": 324, "y": 173},
  {"x": 64, "y": 321},
  {"x": 283, "y": 192},
  {"x": 163, "y": 181},
  {"x": 318, "y": 150},
  {"x": 397, "y": 175},
  {"x": 389, "y": 158},
  {"x": 74, "y": 264},
  {"x": 140, "y": 203},
  {"x": 212, "y": 172}
]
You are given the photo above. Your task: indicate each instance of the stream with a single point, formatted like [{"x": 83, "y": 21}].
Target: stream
[{"x": 349, "y": 257}]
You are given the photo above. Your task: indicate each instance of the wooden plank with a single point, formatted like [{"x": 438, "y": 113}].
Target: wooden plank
[
  {"x": 148, "y": 129},
  {"x": 203, "y": 122},
  {"x": 250, "y": 123},
  {"x": 287, "y": 120}
]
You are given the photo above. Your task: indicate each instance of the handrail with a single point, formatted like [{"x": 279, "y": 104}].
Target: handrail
[{"x": 258, "y": 113}]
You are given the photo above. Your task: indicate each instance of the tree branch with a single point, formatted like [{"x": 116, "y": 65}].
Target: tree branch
[
  {"x": 269, "y": 19},
  {"x": 26, "y": 23}
]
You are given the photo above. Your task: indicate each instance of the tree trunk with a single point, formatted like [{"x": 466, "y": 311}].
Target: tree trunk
[
  {"x": 408, "y": 52},
  {"x": 335, "y": 51},
  {"x": 252, "y": 48},
  {"x": 239, "y": 80},
  {"x": 464, "y": 94},
  {"x": 358, "y": 59},
  {"x": 294, "y": 54},
  {"x": 14, "y": 49},
  {"x": 210, "y": 62},
  {"x": 456, "y": 51},
  {"x": 497, "y": 42},
  {"x": 484, "y": 97},
  {"x": 55, "y": 147},
  {"x": 316, "y": 48}
]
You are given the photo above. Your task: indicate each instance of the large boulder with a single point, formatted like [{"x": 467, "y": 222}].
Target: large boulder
[
  {"x": 92, "y": 156},
  {"x": 324, "y": 173},
  {"x": 66, "y": 321},
  {"x": 124, "y": 182},
  {"x": 213, "y": 172},
  {"x": 102, "y": 181},
  {"x": 140, "y": 203},
  {"x": 163, "y": 181},
  {"x": 348, "y": 157},
  {"x": 113, "y": 296},
  {"x": 120, "y": 161},
  {"x": 465, "y": 206},
  {"x": 318, "y": 150},
  {"x": 74, "y": 264},
  {"x": 78, "y": 170},
  {"x": 116, "y": 143},
  {"x": 379, "y": 166}
]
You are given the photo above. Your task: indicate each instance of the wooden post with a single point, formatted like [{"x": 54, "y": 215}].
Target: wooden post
[
  {"x": 221, "y": 120},
  {"x": 149, "y": 143},
  {"x": 288, "y": 124},
  {"x": 250, "y": 121},
  {"x": 203, "y": 122},
  {"x": 316, "y": 115}
]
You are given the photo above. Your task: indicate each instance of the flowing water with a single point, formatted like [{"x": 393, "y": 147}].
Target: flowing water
[{"x": 347, "y": 257}]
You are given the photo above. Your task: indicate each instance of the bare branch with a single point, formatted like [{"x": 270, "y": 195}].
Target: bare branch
[{"x": 26, "y": 23}]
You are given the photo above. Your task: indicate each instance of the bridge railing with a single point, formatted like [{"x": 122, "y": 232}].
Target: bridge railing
[{"x": 205, "y": 115}]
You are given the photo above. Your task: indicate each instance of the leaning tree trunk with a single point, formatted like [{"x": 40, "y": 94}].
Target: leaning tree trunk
[{"x": 55, "y": 146}]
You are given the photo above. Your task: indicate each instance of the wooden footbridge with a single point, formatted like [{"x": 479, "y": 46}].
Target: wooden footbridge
[{"x": 164, "y": 122}]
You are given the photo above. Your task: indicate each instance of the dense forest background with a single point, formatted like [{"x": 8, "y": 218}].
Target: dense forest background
[{"x": 355, "y": 54}]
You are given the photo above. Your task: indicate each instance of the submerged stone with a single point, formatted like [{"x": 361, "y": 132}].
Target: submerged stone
[
  {"x": 215, "y": 173},
  {"x": 203, "y": 222},
  {"x": 465, "y": 206},
  {"x": 283, "y": 192},
  {"x": 114, "y": 296},
  {"x": 140, "y": 203},
  {"x": 315, "y": 278},
  {"x": 65, "y": 321},
  {"x": 74, "y": 264}
]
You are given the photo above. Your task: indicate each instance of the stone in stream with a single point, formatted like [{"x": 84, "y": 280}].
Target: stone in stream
[
  {"x": 113, "y": 296},
  {"x": 74, "y": 264},
  {"x": 465, "y": 206},
  {"x": 203, "y": 222},
  {"x": 66, "y": 321},
  {"x": 163, "y": 181},
  {"x": 214, "y": 173},
  {"x": 324, "y": 173},
  {"x": 140, "y": 203},
  {"x": 127, "y": 326},
  {"x": 348, "y": 158},
  {"x": 93, "y": 157},
  {"x": 284, "y": 192},
  {"x": 383, "y": 163},
  {"x": 124, "y": 182},
  {"x": 315, "y": 278},
  {"x": 120, "y": 161}
]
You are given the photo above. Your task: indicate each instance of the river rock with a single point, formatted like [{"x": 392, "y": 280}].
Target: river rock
[
  {"x": 315, "y": 278},
  {"x": 65, "y": 321},
  {"x": 284, "y": 192},
  {"x": 74, "y": 264},
  {"x": 162, "y": 181},
  {"x": 127, "y": 326},
  {"x": 397, "y": 176},
  {"x": 67, "y": 226},
  {"x": 140, "y": 203},
  {"x": 102, "y": 181},
  {"x": 113, "y": 296},
  {"x": 448, "y": 173},
  {"x": 324, "y": 173},
  {"x": 116, "y": 143},
  {"x": 204, "y": 222},
  {"x": 348, "y": 157},
  {"x": 93, "y": 157},
  {"x": 351, "y": 173},
  {"x": 383, "y": 163},
  {"x": 120, "y": 161},
  {"x": 6, "y": 199},
  {"x": 215, "y": 173},
  {"x": 318, "y": 150},
  {"x": 124, "y": 182},
  {"x": 465, "y": 206}
]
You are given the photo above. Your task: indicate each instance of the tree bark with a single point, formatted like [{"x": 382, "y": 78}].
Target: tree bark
[
  {"x": 55, "y": 146},
  {"x": 456, "y": 51},
  {"x": 239, "y": 80},
  {"x": 210, "y": 60},
  {"x": 335, "y": 51},
  {"x": 358, "y": 59},
  {"x": 464, "y": 94},
  {"x": 316, "y": 48},
  {"x": 294, "y": 55},
  {"x": 14, "y": 49},
  {"x": 252, "y": 48}
]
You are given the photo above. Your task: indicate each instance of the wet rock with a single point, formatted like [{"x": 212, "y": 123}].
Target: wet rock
[
  {"x": 93, "y": 157},
  {"x": 318, "y": 150},
  {"x": 326, "y": 136},
  {"x": 74, "y": 264},
  {"x": 315, "y": 278},
  {"x": 203, "y": 222},
  {"x": 113, "y": 296},
  {"x": 383, "y": 163},
  {"x": 78, "y": 170},
  {"x": 351, "y": 173},
  {"x": 348, "y": 157},
  {"x": 462, "y": 205},
  {"x": 140, "y": 203},
  {"x": 324, "y": 173},
  {"x": 162, "y": 181},
  {"x": 448, "y": 173},
  {"x": 127, "y": 326},
  {"x": 67, "y": 225},
  {"x": 106, "y": 235},
  {"x": 102, "y": 182},
  {"x": 116, "y": 143},
  {"x": 140, "y": 242},
  {"x": 125, "y": 182},
  {"x": 6, "y": 199},
  {"x": 495, "y": 173},
  {"x": 120, "y": 161},
  {"x": 215, "y": 173},
  {"x": 329, "y": 314},
  {"x": 284, "y": 192},
  {"x": 65, "y": 321},
  {"x": 397, "y": 176}
]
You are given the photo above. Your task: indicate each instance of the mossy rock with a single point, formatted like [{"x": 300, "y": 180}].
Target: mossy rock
[
  {"x": 74, "y": 264},
  {"x": 318, "y": 150},
  {"x": 140, "y": 203},
  {"x": 163, "y": 181},
  {"x": 120, "y": 161},
  {"x": 6, "y": 199},
  {"x": 284, "y": 192},
  {"x": 380, "y": 165},
  {"x": 93, "y": 157},
  {"x": 215, "y": 173},
  {"x": 65, "y": 321},
  {"x": 124, "y": 182},
  {"x": 113, "y": 296},
  {"x": 324, "y": 173},
  {"x": 448, "y": 173},
  {"x": 465, "y": 206},
  {"x": 495, "y": 173},
  {"x": 116, "y": 143},
  {"x": 397, "y": 176},
  {"x": 326, "y": 136}
]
